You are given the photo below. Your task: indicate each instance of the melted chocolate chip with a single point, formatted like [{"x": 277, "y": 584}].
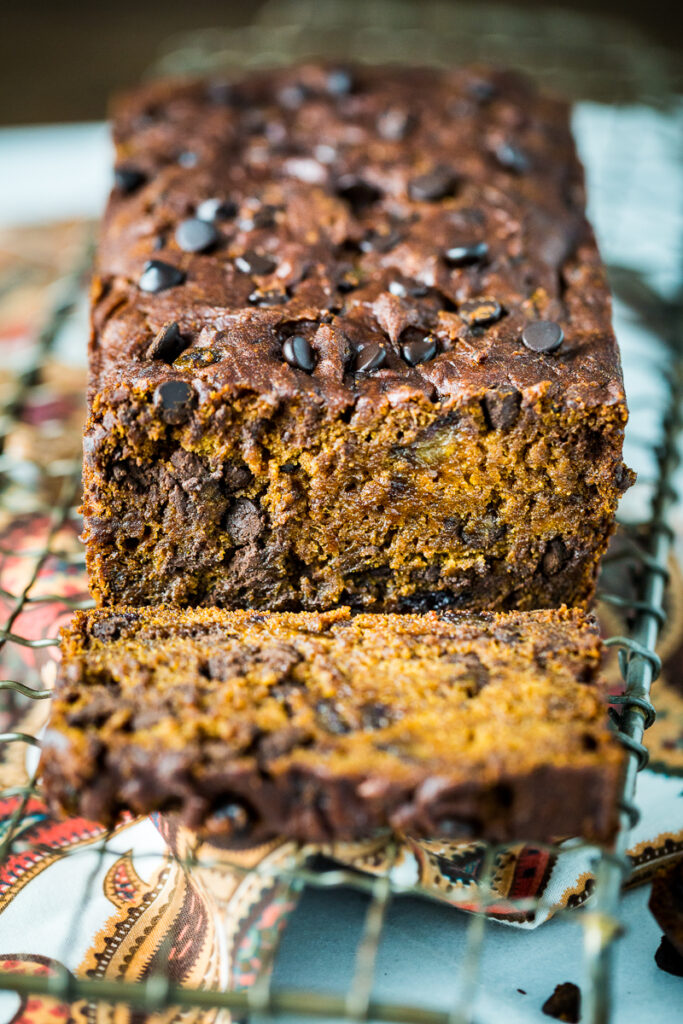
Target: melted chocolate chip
[
  {"x": 244, "y": 522},
  {"x": 371, "y": 357},
  {"x": 480, "y": 312},
  {"x": 432, "y": 186},
  {"x": 512, "y": 158},
  {"x": 174, "y": 400},
  {"x": 252, "y": 262},
  {"x": 463, "y": 255},
  {"x": 542, "y": 336},
  {"x": 128, "y": 179},
  {"x": 501, "y": 408},
  {"x": 168, "y": 343},
  {"x": 358, "y": 194},
  {"x": 299, "y": 353},
  {"x": 196, "y": 235},
  {"x": 415, "y": 352},
  {"x": 158, "y": 276},
  {"x": 216, "y": 209},
  {"x": 555, "y": 557}
]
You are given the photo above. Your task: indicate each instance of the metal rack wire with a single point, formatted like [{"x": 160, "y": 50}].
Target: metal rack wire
[{"x": 648, "y": 550}]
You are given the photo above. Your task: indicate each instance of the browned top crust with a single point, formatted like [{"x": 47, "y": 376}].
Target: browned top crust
[{"x": 343, "y": 192}]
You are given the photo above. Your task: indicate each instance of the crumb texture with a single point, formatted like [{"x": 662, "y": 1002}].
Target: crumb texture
[{"x": 332, "y": 726}]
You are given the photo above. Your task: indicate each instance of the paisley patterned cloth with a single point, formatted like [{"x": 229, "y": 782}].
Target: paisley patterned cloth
[{"x": 146, "y": 899}]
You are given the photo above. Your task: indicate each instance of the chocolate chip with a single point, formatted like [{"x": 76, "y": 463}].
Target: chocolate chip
[
  {"x": 127, "y": 179},
  {"x": 358, "y": 194},
  {"x": 371, "y": 357},
  {"x": 216, "y": 209},
  {"x": 243, "y": 521},
  {"x": 174, "y": 400},
  {"x": 481, "y": 90},
  {"x": 432, "y": 186},
  {"x": 225, "y": 93},
  {"x": 330, "y": 719},
  {"x": 463, "y": 255},
  {"x": 158, "y": 276},
  {"x": 195, "y": 235},
  {"x": 299, "y": 353},
  {"x": 380, "y": 241},
  {"x": 501, "y": 408},
  {"x": 479, "y": 312},
  {"x": 395, "y": 124},
  {"x": 188, "y": 159},
  {"x": 339, "y": 82},
  {"x": 565, "y": 1003},
  {"x": 542, "y": 336},
  {"x": 415, "y": 352},
  {"x": 168, "y": 343},
  {"x": 251, "y": 262},
  {"x": 512, "y": 158},
  {"x": 555, "y": 557}
]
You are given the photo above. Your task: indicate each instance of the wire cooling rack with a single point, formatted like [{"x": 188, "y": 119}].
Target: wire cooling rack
[{"x": 49, "y": 490}]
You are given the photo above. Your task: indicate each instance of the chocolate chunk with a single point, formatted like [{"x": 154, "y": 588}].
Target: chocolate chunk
[
  {"x": 480, "y": 312},
  {"x": 565, "y": 1003},
  {"x": 299, "y": 353},
  {"x": 371, "y": 357},
  {"x": 168, "y": 343},
  {"x": 395, "y": 124},
  {"x": 359, "y": 194},
  {"x": 195, "y": 235},
  {"x": 542, "y": 336},
  {"x": 157, "y": 276},
  {"x": 252, "y": 262},
  {"x": 512, "y": 158},
  {"x": 174, "y": 399},
  {"x": 432, "y": 186},
  {"x": 415, "y": 352},
  {"x": 668, "y": 958},
  {"x": 339, "y": 81},
  {"x": 555, "y": 557},
  {"x": 216, "y": 209},
  {"x": 128, "y": 179},
  {"x": 463, "y": 255},
  {"x": 243, "y": 522},
  {"x": 501, "y": 408},
  {"x": 330, "y": 719}
]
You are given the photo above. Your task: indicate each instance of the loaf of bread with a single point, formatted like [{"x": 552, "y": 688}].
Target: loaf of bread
[{"x": 351, "y": 345}]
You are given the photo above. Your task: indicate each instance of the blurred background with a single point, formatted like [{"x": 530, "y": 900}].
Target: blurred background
[{"x": 61, "y": 61}]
